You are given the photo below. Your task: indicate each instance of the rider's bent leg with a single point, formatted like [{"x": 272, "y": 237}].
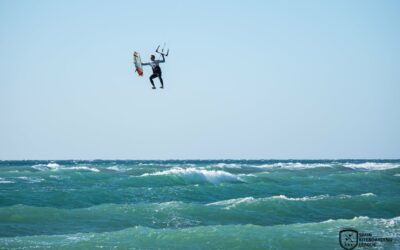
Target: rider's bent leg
[{"x": 151, "y": 79}]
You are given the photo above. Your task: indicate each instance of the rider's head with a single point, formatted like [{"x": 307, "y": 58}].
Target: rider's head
[{"x": 152, "y": 57}]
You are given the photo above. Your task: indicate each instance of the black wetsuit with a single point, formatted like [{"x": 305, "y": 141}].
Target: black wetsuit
[{"x": 156, "y": 70}]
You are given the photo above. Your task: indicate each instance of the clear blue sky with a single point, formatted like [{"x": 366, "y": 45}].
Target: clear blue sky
[{"x": 244, "y": 79}]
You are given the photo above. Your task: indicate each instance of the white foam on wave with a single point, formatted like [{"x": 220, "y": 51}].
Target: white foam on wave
[
  {"x": 293, "y": 165},
  {"x": 393, "y": 222},
  {"x": 371, "y": 166},
  {"x": 84, "y": 168},
  {"x": 117, "y": 169},
  {"x": 361, "y": 221},
  {"x": 360, "y": 218},
  {"x": 40, "y": 167},
  {"x": 232, "y": 202},
  {"x": 54, "y": 166},
  {"x": 146, "y": 164},
  {"x": 44, "y": 167},
  {"x": 328, "y": 221},
  {"x": 4, "y": 181},
  {"x": 226, "y": 165},
  {"x": 178, "y": 165},
  {"x": 211, "y": 176},
  {"x": 114, "y": 168},
  {"x": 319, "y": 197},
  {"x": 368, "y": 194},
  {"x": 31, "y": 179},
  {"x": 251, "y": 175},
  {"x": 306, "y": 198},
  {"x": 356, "y": 166},
  {"x": 80, "y": 237},
  {"x": 357, "y": 218}
]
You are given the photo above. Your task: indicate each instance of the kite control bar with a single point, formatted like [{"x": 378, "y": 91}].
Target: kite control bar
[{"x": 162, "y": 51}]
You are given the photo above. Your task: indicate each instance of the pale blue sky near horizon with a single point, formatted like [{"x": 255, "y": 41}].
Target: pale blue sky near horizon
[{"x": 244, "y": 80}]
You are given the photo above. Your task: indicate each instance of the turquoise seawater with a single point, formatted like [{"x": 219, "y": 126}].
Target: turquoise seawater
[{"x": 213, "y": 204}]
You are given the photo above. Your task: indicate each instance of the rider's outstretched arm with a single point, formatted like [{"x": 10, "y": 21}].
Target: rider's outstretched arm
[
  {"x": 163, "y": 59},
  {"x": 145, "y": 64}
]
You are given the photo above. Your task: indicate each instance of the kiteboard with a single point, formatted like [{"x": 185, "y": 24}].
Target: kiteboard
[{"x": 138, "y": 63}]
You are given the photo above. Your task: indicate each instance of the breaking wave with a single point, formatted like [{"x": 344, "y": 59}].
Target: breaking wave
[
  {"x": 193, "y": 174},
  {"x": 371, "y": 166},
  {"x": 55, "y": 166}
]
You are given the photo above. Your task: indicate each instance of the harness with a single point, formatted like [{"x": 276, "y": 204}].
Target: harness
[{"x": 156, "y": 68}]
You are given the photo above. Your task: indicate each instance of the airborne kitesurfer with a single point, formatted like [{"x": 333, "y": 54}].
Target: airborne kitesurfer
[{"x": 156, "y": 69}]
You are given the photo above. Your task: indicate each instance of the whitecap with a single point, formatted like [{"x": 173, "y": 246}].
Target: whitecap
[
  {"x": 118, "y": 169},
  {"x": 115, "y": 168},
  {"x": 357, "y": 218},
  {"x": 249, "y": 175},
  {"x": 232, "y": 202},
  {"x": 371, "y": 166},
  {"x": 84, "y": 168},
  {"x": 211, "y": 176},
  {"x": 80, "y": 237},
  {"x": 146, "y": 164},
  {"x": 40, "y": 167},
  {"x": 226, "y": 165},
  {"x": 328, "y": 221},
  {"x": 344, "y": 196},
  {"x": 52, "y": 165},
  {"x": 45, "y": 167},
  {"x": 293, "y": 165},
  {"x": 361, "y": 218},
  {"x": 306, "y": 198},
  {"x": 55, "y": 166},
  {"x": 4, "y": 181},
  {"x": 391, "y": 222},
  {"x": 368, "y": 194}
]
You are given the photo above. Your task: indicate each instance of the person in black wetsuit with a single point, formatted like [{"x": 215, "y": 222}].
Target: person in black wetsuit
[{"x": 156, "y": 69}]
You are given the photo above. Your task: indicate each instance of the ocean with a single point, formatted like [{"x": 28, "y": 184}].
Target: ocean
[{"x": 199, "y": 204}]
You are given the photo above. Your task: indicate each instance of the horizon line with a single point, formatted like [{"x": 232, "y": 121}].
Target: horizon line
[{"x": 214, "y": 159}]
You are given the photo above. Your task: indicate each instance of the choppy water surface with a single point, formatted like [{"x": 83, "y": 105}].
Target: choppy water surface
[{"x": 231, "y": 204}]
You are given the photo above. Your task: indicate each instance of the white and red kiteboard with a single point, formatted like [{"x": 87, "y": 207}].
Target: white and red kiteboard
[{"x": 138, "y": 63}]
